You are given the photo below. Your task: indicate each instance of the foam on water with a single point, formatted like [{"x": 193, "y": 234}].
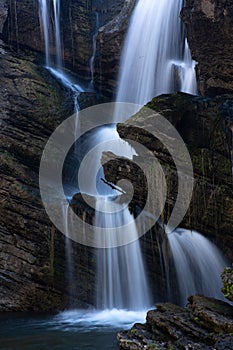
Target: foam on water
[{"x": 94, "y": 320}]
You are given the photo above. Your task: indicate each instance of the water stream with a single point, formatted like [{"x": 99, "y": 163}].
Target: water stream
[
  {"x": 198, "y": 265},
  {"x": 50, "y": 19},
  {"x": 121, "y": 273},
  {"x": 94, "y": 43},
  {"x": 156, "y": 58}
]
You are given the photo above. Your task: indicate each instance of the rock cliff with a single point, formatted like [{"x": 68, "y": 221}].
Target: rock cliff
[
  {"x": 210, "y": 36},
  {"x": 33, "y": 272}
]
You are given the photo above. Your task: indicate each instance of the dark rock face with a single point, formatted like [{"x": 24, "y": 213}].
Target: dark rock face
[
  {"x": 205, "y": 324},
  {"x": 109, "y": 44},
  {"x": 107, "y": 9},
  {"x": 210, "y": 36},
  {"x": 204, "y": 124},
  {"x": 33, "y": 270},
  {"x": 21, "y": 27},
  {"x": 3, "y": 14}
]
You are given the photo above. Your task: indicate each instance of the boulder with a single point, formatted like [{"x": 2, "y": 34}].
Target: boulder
[{"x": 205, "y": 324}]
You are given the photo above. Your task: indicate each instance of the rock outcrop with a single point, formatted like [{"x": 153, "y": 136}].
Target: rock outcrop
[
  {"x": 204, "y": 124},
  {"x": 205, "y": 324},
  {"x": 210, "y": 37}
]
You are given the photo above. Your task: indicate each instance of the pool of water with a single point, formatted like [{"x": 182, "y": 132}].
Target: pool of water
[{"x": 70, "y": 330}]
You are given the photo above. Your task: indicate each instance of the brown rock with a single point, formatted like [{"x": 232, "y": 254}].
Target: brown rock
[
  {"x": 210, "y": 34},
  {"x": 205, "y": 324}
]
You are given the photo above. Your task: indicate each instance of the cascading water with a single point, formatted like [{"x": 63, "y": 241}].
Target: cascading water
[
  {"x": 156, "y": 57},
  {"x": 121, "y": 274},
  {"x": 44, "y": 16},
  {"x": 56, "y": 10},
  {"x": 51, "y": 29},
  {"x": 198, "y": 264}
]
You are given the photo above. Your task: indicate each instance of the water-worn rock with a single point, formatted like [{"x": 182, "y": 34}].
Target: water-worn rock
[
  {"x": 32, "y": 252},
  {"x": 205, "y": 324},
  {"x": 204, "y": 124},
  {"x": 210, "y": 36}
]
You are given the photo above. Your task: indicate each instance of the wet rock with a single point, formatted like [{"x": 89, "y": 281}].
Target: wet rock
[
  {"x": 109, "y": 47},
  {"x": 20, "y": 25},
  {"x": 204, "y": 124},
  {"x": 33, "y": 271},
  {"x": 210, "y": 34},
  {"x": 206, "y": 323}
]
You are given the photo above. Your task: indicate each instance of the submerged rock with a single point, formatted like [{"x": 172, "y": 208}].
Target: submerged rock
[{"x": 205, "y": 324}]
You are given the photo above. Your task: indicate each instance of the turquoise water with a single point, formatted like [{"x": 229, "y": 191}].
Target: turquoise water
[{"x": 71, "y": 330}]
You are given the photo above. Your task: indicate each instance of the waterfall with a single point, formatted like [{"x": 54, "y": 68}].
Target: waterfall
[
  {"x": 121, "y": 279},
  {"x": 46, "y": 18},
  {"x": 45, "y": 25},
  {"x": 54, "y": 31},
  {"x": 69, "y": 262},
  {"x": 198, "y": 264},
  {"x": 56, "y": 10},
  {"x": 92, "y": 60},
  {"x": 156, "y": 57}
]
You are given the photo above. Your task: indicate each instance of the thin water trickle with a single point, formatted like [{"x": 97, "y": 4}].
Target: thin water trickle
[
  {"x": 51, "y": 29},
  {"x": 94, "y": 43}
]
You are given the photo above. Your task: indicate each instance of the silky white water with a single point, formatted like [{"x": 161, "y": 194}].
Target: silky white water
[
  {"x": 198, "y": 264},
  {"x": 44, "y": 16},
  {"x": 121, "y": 277},
  {"x": 156, "y": 57},
  {"x": 56, "y": 10}
]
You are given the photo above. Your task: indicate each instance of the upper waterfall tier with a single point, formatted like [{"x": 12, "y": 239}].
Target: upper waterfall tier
[{"x": 156, "y": 57}]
